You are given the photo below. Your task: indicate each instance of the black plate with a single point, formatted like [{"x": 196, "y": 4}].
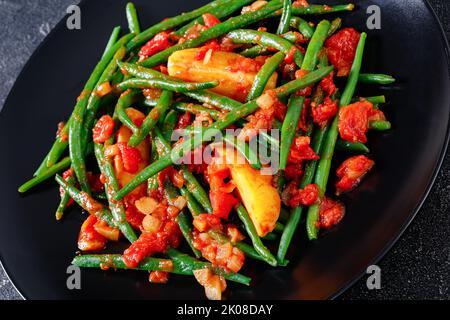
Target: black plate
[{"x": 36, "y": 250}]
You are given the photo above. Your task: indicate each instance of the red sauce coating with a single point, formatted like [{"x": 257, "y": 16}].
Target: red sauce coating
[
  {"x": 103, "y": 129},
  {"x": 341, "y": 49},
  {"x": 351, "y": 172}
]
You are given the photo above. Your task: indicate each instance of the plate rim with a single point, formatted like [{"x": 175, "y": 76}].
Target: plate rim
[{"x": 377, "y": 258}]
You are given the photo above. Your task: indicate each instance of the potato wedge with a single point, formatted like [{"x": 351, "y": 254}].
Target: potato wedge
[
  {"x": 257, "y": 193},
  {"x": 234, "y": 72}
]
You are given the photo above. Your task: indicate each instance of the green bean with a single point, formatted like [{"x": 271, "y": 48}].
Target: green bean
[
  {"x": 283, "y": 27},
  {"x": 335, "y": 26},
  {"x": 323, "y": 169},
  {"x": 94, "y": 100},
  {"x": 374, "y": 100},
  {"x": 87, "y": 202},
  {"x": 65, "y": 198},
  {"x": 152, "y": 118},
  {"x": 264, "y": 74},
  {"x": 259, "y": 50},
  {"x": 315, "y": 45},
  {"x": 112, "y": 39},
  {"x": 373, "y": 78},
  {"x": 112, "y": 186},
  {"x": 214, "y": 32},
  {"x": 186, "y": 229},
  {"x": 229, "y": 118},
  {"x": 166, "y": 85},
  {"x": 244, "y": 149},
  {"x": 352, "y": 146},
  {"x": 318, "y": 9},
  {"x": 220, "y": 13},
  {"x": 296, "y": 102},
  {"x": 207, "y": 97},
  {"x": 152, "y": 183},
  {"x": 182, "y": 265},
  {"x": 267, "y": 40},
  {"x": 170, "y": 121},
  {"x": 133, "y": 20},
  {"x": 196, "y": 109},
  {"x": 60, "y": 144},
  {"x": 306, "y": 29},
  {"x": 45, "y": 174},
  {"x": 380, "y": 125},
  {"x": 126, "y": 99},
  {"x": 289, "y": 127},
  {"x": 187, "y": 264},
  {"x": 171, "y": 23},
  {"x": 256, "y": 240}
]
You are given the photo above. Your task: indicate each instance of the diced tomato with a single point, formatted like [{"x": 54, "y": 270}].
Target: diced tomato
[
  {"x": 331, "y": 213},
  {"x": 89, "y": 239},
  {"x": 303, "y": 121},
  {"x": 221, "y": 200},
  {"x": 341, "y": 49},
  {"x": 204, "y": 222},
  {"x": 158, "y": 276},
  {"x": 159, "y": 43},
  {"x": 324, "y": 112},
  {"x": 210, "y": 20},
  {"x": 293, "y": 171},
  {"x": 327, "y": 84},
  {"x": 130, "y": 157},
  {"x": 354, "y": 120},
  {"x": 222, "y": 203},
  {"x": 154, "y": 242},
  {"x": 173, "y": 175},
  {"x": 184, "y": 120},
  {"x": 300, "y": 3},
  {"x": 59, "y": 132},
  {"x": 134, "y": 216},
  {"x": 290, "y": 55},
  {"x": 301, "y": 150},
  {"x": 351, "y": 172},
  {"x": 305, "y": 197},
  {"x": 219, "y": 254}
]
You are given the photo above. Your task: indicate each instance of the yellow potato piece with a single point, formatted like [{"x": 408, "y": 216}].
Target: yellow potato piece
[
  {"x": 257, "y": 193},
  {"x": 234, "y": 72}
]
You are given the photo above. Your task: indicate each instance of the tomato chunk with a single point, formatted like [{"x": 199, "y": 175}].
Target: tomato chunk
[
  {"x": 324, "y": 111},
  {"x": 159, "y": 43},
  {"x": 341, "y": 50},
  {"x": 331, "y": 213},
  {"x": 301, "y": 150},
  {"x": 354, "y": 121},
  {"x": 89, "y": 239},
  {"x": 210, "y": 20},
  {"x": 306, "y": 196},
  {"x": 130, "y": 157},
  {"x": 103, "y": 129},
  {"x": 351, "y": 172},
  {"x": 222, "y": 201}
]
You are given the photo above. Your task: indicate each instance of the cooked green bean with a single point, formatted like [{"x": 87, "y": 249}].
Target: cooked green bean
[
  {"x": 264, "y": 74},
  {"x": 373, "y": 78},
  {"x": 112, "y": 39},
  {"x": 283, "y": 27},
  {"x": 132, "y": 17},
  {"x": 65, "y": 198},
  {"x": 170, "y": 121},
  {"x": 112, "y": 186},
  {"x": 152, "y": 118},
  {"x": 380, "y": 125},
  {"x": 244, "y": 149},
  {"x": 305, "y": 28},
  {"x": 323, "y": 169},
  {"x": 166, "y": 84},
  {"x": 352, "y": 146}
]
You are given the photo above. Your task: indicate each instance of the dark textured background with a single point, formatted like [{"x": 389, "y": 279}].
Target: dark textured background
[{"x": 417, "y": 267}]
